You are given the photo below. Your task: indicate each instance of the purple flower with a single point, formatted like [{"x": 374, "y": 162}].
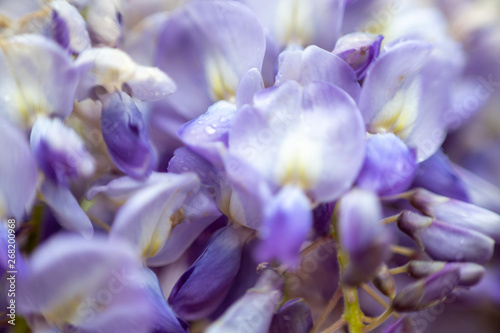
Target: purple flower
[
  {"x": 93, "y": 285},
  {"x": 293, "y": 317},
  {"x": 202, "y": 288},
  {"x": 60, "y": 152},
  {"x": 458, "y": 213},
  {"x": 125, "y": 135},
  {"x": 315, "y": 64},
  {"x": 287, "y": 137},
  {"x": 426, "y": 292},
  {"x": 361, "y": 235},
  {"x": 443, "y": 241},
  {"x": 18, "y": 173},
  {"x": 389, "y": 165},
  {"x": 147, "y": 219},
  {"x": 206, "y": 65},
  {"x": 39, "y": 78},
  {"x": 359, "y": 50},
  {"x": 287, "y": 222}
]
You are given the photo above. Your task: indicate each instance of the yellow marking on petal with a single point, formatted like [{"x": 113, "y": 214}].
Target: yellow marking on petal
[
  {"x": 65, "y": 312},
  {"x": 400, "y": 114},
  {"x": 221, "y": 78},
  {"x": 298, "y": 162},
  {"x": 154, "y": 245}
]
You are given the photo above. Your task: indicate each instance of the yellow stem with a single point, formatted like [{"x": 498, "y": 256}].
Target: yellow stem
[
  {"x": 390, "y": 219},
  {"x": 369, "y": 290},
  {"x": 399, "y": 270},
  {"x": 404, "y": 251},
  {"x": 379, "y": 320}
]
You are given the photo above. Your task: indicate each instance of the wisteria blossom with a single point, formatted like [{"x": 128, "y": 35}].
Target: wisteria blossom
[{"x": 227, "y": 166}]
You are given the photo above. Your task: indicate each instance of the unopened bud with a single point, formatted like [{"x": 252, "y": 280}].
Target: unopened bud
[
  {"x": 427, "y": 292},
  {"x": 446, "y": 242}
]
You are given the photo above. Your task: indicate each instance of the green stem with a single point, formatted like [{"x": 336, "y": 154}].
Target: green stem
[{"x": 352, "y": 312}]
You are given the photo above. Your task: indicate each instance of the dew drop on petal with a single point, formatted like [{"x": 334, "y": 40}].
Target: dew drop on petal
[{"x": 210, "y": 130}]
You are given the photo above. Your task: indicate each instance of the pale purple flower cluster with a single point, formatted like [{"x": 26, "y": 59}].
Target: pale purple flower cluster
[{"x": 247, "y": 165}]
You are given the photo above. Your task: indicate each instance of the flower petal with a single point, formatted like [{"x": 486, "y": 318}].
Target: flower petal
[
  {"x": 285, "y": 228},
  {"x": 148, "y": 217},
  {"x": 192, "y": 298},
  {"x": 66, "y": 208},
  {"x": 18, "y": 173},
  {"x": 315, "y": 64},
  {"x": 125, "y": 135},
  {"x": 207, "y": 47}
]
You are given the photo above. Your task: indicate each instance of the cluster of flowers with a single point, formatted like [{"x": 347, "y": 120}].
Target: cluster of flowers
[{"x": 170, "y": 164}]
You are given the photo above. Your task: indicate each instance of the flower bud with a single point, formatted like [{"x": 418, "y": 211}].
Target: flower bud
[
  {"x": 359, "y": 50},
  {"x": 59, "y": 151},
  {"x": 389, "y": 165},
  {"x": 384, "y": 281},
  {"x": 125, "y": 135},
  {"x": 457, "y": 212},
  {"x": 470, "y": 273},
  {"x": 362, "y": 236},
  {"x": 293, "y": 317},
  {"x": 203, "y": 287},
  {"x": 446, "y": 242},
  {"x": 427, "y": 292}
]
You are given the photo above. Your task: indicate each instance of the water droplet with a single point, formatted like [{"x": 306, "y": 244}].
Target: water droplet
[{"x": 210, "y": 130}]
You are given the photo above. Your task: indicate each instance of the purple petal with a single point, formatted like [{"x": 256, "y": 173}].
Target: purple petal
[
  {"x": 250, "y": 84},
  {"x": 192, "y": 297},
  {"x": 120, "y": 189},
  {"x": 424, "y": 293},
  {"x": 315, "y": 64},
  {"x": 148, "y": 217},
  {"x": 69, "y": 27},
  {"x": 437, "y": 175},
  {"x": 200, "y": 211},
  {"x": 359, "y": 50},
  {"x": 66, "y": 208},
  {"x": 444, "y": 241},
  {"x": 207, "y": 47},
  {"x": 457, "y": 213},
  {"x": 391, "y": 94},
  {"x": 60, "y": 152},
  {"x": 93, "y": 284},
  {"x": 470, "y": 273},
  {"x": 39, "y": 77},
  {"x": 481, "y": 192},
  {"x": 389, "y": 165},
  {"x": 293, "y": 317},
  {"x": 362, "y": 236},
  {"x": 165, "y": 320},
  {"x": 303, "y": 23},
  {"x": 125, "y": 135},
  {"x": 286, "y": 225},
  {"x": 103, "y": 21},
  {"x": 259, "y": 302},
  {"x": 207, "y": 134},
  {"x": 60, "y": 31},
  {"x": 18, "y": 173},
  {"x": 287, "y": 137}
]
